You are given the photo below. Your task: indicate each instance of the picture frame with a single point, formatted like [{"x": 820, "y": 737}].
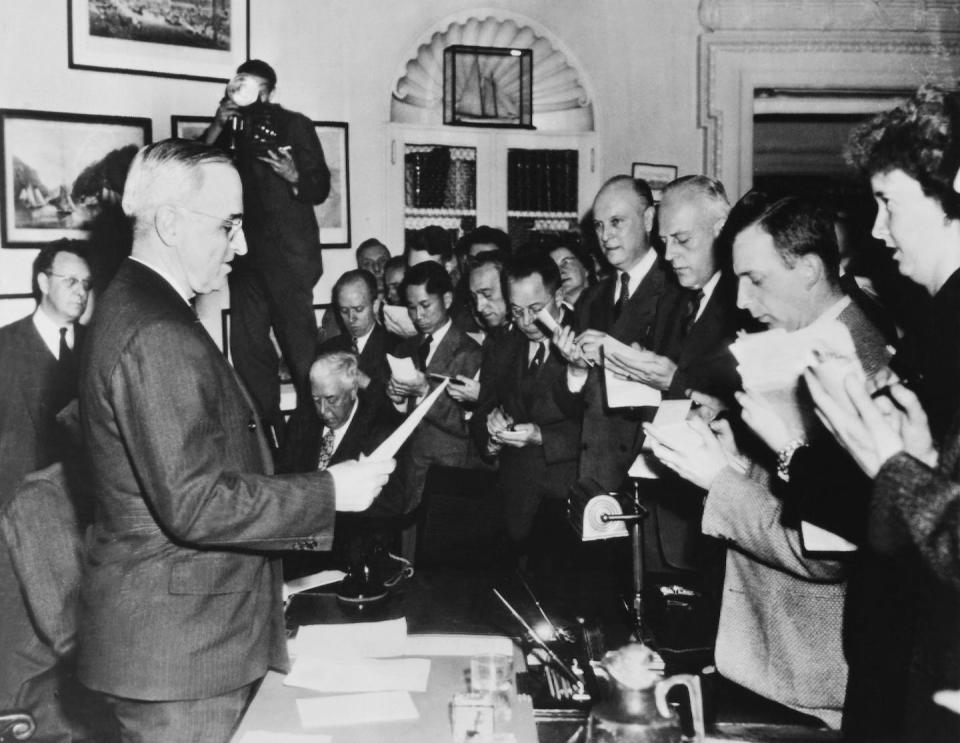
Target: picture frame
[
  {"x": 488, "y": 86},
  {"x": 151, "y": 37},
  {"x": 657, "y": 176},
  {"x": 333, "y": 215},
  {"x": 61, "y": 170}
]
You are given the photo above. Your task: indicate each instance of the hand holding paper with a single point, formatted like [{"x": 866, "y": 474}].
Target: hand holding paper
[
  {"x": 397, "y": 321},
  {"x": 395, "y": 440},
  {"x": 691, "y": 450},
  {"x": 639, "y": 365}
]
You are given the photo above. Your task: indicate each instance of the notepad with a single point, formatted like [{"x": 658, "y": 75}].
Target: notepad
[
  {"x": 359, "y": 674},
  {"x": 356, "y": 709},
  {"x": 401, "y": 317},
  {"x": 402, "y": 368},
  {"x": 626, "y": 393}
]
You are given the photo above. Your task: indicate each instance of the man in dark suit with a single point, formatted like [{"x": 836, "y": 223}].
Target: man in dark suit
[
  {"x": 345, "y": 421},
  {"x": 180, "y": 609},
  {"x": 639, "y": 303},
  {"x": 517, "y": 417},
  {"x": 355, "y": 299},
  {"x": 691, "y": 218},
  {"x": 440, "y": 349},
  {"x": 38, "y": 372},
  {"x": 284, "y": 175},
  {"x": 435, "y": 244}
]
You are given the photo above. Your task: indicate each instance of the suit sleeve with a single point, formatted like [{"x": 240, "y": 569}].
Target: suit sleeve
[
  {"x": 488, "y": 400},
  {"x": 744, "y": 513},
  {"x": 45, "y": 552},
  {"x": 170, "y": 411},
  {"x": 446, "y": 413},
  {"x": 914, "y": 503},
  {"x": 313, "y": 185}
]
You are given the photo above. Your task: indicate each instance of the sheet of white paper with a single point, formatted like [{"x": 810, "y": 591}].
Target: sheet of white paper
[
  {"x": 818, "y": 539},
  {"x": 402, "y": 368},
  {"x": 270, "y": 736},
  {"x": 323, "y": 578},
  {"x": 612, "y": 345},
  {"x": 625, "y": 393},
  {"x": 356, "y": 709},
  {"x": 357, "y": 640},
  {"x": 359, "y": 674},
  {"x": 547, "y": 320},
  {"x": 643, "y": 467},
  {"x": 401, "y": 317},
  {"x": 457, "y": 645},
  {"x": 671, "y": 416},
  {"x": 394, "y": 441}
]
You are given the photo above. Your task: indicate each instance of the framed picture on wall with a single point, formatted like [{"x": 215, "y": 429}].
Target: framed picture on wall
[
  {"x": 333, "y": 215},
  {"x": 657, "y": 176},
  {"x": 198, "y": 40},
  {"x": 61, "y": 170},
  {"x": 189, "y": 127}
]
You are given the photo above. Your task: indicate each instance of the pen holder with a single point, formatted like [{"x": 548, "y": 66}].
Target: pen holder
[{"x": 472, "y": 716}]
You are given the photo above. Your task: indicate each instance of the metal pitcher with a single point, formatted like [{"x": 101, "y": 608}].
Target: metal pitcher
[{"x": 634, "y": 706}]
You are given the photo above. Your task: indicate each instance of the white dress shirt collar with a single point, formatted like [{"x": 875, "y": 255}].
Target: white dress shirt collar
[
  {"x": 362, "y": 340},
  {"x": 636, "y": 274},
  {"x": 185, "y": 294},
  {"x": 707, "y": 290},
  {"x": 50, "y": 331},
  {"x": 339, "y": 433},
  {"x": 437, "y": 338}
]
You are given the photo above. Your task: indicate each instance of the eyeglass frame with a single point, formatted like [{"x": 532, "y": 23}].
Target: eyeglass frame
[
  {"x": 71, "y": 281},
  {"x": 236, "y": 223}
]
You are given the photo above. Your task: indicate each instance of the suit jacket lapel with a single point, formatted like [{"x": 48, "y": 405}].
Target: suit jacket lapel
[
  {"x": 640, "y": 311},
  {"x": 445, "y": 351}
]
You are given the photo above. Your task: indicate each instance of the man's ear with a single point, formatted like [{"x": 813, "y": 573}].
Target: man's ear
[
  {"x": 43, "y": 282},
  {"x": 166, "y": 221},
  {"x": 648, "y": 214},
  {"x": 447, "y": 300},
  {"x": 811, "y": 270}
]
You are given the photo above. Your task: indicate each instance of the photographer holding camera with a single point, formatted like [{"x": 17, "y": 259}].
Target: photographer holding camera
[{"x": 284, "y": 175}]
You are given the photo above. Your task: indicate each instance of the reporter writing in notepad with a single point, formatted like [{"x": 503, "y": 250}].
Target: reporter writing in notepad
[{"x": 440, "y": 349}]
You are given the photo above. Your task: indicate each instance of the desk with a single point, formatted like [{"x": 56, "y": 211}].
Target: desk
[{"x": 458, "y": 602}]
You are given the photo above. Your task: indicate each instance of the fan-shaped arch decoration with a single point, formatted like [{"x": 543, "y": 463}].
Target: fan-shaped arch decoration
[{"x": 561, "y": 94}]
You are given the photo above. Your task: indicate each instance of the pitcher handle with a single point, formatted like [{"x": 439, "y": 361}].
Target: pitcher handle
[{"x": 696, "y": 700}]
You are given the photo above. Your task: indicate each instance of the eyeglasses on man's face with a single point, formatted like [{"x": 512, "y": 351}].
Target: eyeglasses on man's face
[
  {"x": 71, "y": 282},
  {"x": 231, "y": 224}
]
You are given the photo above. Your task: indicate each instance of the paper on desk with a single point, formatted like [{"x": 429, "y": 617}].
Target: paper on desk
[
  {"x": 458, "y": 645},
  {"x": 270, "y": 736},
  {"x": 394, "y": 441},
  {"x": 356, "y": 709},
  {"x": 356, "y": 640},
  {"x": 402, "y": 368},
  {"x": 323, "y": 578},
  {"x": 401, "y": 317},
  {"x": 359, "y": 674}
]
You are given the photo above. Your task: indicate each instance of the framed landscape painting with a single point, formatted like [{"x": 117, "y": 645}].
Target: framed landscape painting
[
  {"x": 195, "y": 39},
  {"x": 333, "y": 215},
  {"x": 61, "y": 170}
]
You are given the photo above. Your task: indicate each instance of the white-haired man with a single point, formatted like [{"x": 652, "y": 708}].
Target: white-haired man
[{"x": 180, "y": 606}]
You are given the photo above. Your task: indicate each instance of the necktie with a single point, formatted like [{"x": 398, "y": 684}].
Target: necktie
[
  {"x": 66, "y": 353},
  {"x": 326, "y": 450},
  {"x": 353, "y": 345},
  {"x": 537, "y": 361},
  {"x": 424, "y": 351},
  {"x": 690, "y": 316},
  {"x": 624, "y": 295}
]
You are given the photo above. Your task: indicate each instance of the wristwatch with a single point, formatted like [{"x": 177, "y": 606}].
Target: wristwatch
[{"x": 785, "y": 456}]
